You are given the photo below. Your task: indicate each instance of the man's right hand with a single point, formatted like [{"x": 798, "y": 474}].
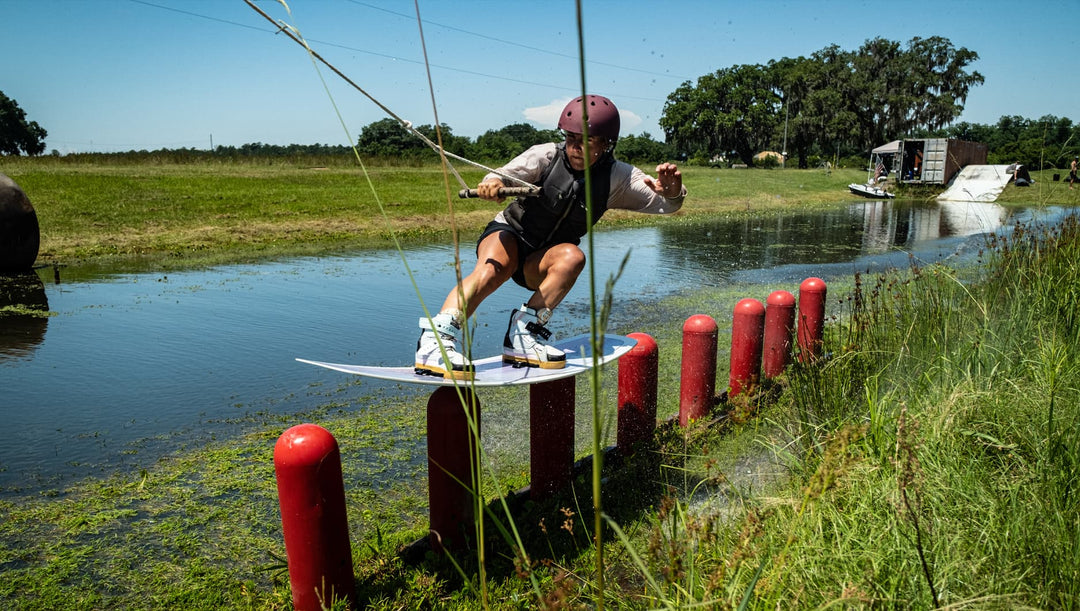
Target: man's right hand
[{"x": 489, "y": 190}]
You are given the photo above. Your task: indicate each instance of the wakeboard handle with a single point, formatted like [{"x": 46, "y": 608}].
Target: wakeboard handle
[{"x": 503, "y": 192}]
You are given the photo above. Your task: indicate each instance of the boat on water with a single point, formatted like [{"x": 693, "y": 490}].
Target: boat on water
[
  {"x": 871, "y": 191},
  {"x": 873, "y": 188}
]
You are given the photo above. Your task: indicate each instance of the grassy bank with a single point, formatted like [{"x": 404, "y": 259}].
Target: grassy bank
[
  {"x": 933, "y": 457},
  {"x": 184, "y": 214}
]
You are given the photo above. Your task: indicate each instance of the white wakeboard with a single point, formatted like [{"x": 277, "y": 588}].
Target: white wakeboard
[{"x": 492, "y": 371}]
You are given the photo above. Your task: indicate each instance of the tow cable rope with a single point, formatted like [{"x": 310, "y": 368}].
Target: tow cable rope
[{"x": 288, "y": 30}]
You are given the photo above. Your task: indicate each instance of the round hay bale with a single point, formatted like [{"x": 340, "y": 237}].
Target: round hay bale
[
  {"x": 763, "y": 155},
  {"x": 20, "y": 236}
]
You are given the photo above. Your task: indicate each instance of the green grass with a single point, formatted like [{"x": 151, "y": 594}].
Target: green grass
[
  {"x": 199, "y": 210},
  {"x": 89, "y": 211},
  {"x": 1044, "y": 192}
]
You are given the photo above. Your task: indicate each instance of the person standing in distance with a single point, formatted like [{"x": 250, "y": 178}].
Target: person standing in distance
[{"x": 535, "y": 239}]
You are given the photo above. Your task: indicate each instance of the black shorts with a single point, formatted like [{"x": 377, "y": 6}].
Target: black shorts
[{"x": 523, "y": 249}]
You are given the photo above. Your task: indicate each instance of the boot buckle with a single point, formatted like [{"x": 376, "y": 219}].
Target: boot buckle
[{"x": 538, "y": 329}]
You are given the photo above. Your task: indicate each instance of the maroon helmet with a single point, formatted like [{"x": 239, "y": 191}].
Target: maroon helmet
[{"x": 601, "y": 113}]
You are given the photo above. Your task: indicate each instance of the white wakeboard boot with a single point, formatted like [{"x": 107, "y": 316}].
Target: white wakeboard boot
[
  {"x": 438, "y": 351},
  {"x": 526, "y": 340}
]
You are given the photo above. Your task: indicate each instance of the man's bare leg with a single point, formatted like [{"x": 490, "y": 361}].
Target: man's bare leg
[{"x": 554, "y": 272}]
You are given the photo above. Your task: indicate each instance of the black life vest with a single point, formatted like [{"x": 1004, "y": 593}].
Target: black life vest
[{"x": 557, "y": 215}]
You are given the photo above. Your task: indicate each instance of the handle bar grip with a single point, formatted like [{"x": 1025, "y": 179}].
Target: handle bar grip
[{"x": 503, "y": 192}]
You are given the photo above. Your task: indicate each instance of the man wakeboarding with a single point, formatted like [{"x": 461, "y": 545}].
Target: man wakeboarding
[{"x": 535, "y": 239}]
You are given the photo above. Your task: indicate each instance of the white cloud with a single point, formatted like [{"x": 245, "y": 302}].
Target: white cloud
[
  {"x": 547, "y": 116},
  {"x": 628, "y": 121}
]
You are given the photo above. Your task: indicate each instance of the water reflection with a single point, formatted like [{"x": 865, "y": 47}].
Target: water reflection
[
  {"x": 888, "y": 225},
  {"x": 724, "y": 251},
  {"x": 141, "y": 356},
  {"x": 24, "y": 314}
]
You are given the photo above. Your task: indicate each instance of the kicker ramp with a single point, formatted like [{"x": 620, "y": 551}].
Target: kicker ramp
[{"x": 977, "y": 183}]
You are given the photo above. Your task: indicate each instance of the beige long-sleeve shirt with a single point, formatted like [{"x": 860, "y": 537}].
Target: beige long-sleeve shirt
[{"x": 628, "y": 188}]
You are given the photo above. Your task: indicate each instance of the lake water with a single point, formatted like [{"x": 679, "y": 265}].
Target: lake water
[{"x": 130, "y": 364}]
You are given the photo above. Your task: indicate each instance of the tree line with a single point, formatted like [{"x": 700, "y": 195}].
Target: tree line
[
  {"x": 839, "y": 104},
  {"x": 834, "y": 104},
  {"x": 386, "y": 138},
  {"x": 1048, "y": 142}
]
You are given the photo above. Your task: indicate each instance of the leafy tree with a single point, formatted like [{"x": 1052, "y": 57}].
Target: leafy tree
[
  {"x": 816, "y": 91},
  {"x": 835, "y": 100},
  {"x": 731, "y": 110},
  {"x": 901, "y": 90},
  {"x": 687, "y": 124},
  {"x": 804, "y": 100},
  {"x": 974, "y": 132},
  {"x": 16, "y": 133},
  {"x": 941, "y": 85},
  {"x": 878, "y": 95},
  {"x": 387, "y": 138},
  {"x": 458, "y": 145},
  {"x": 511, "y": 140},
  {"x": 1047, "y": 142},
  {"x": 643, "y": 149}
]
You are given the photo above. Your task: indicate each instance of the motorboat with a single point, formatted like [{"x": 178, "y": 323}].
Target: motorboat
[
  {"x": 873, "y": 188},
  {"x": 871, "y": 191}
]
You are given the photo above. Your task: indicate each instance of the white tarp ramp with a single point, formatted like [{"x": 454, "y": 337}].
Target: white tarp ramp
[{"x": 977, "y": 183}]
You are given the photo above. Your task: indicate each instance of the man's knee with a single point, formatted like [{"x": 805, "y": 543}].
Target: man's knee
[
  {"x": 568, "y": 258},
  {"x": 570, "y": 253}
]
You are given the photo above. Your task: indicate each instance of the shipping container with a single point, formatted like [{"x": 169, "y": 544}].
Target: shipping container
[{"x": 935, "y": 161}]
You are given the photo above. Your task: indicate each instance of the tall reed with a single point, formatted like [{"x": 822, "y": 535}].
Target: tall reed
[{"x": 953, "y": 398}]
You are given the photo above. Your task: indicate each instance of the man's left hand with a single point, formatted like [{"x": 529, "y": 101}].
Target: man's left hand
[{"x": 668, "y": 181}]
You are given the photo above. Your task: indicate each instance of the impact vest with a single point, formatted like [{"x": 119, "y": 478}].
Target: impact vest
[{"x": 557, "y": 215}]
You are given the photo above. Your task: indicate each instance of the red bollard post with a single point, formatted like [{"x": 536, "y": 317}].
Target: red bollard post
[
  {"x": 551, "y": 436},
  {"x": 311, "y": 492},
  {"x": 697, "y": 388},
  {"x": 451, "y": 466},
  {"x": 811, "y": 318},
  {"x": 747, "y": 335},
  {"x": 638, "y": 372},
  {"x": 779, "y": 329}
]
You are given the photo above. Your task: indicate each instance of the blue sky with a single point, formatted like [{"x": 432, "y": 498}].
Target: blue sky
[{"x": 107, "y": 75}]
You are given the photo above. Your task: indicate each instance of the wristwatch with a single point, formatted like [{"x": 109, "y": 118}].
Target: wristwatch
[{"x": 543, "y": 315}]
